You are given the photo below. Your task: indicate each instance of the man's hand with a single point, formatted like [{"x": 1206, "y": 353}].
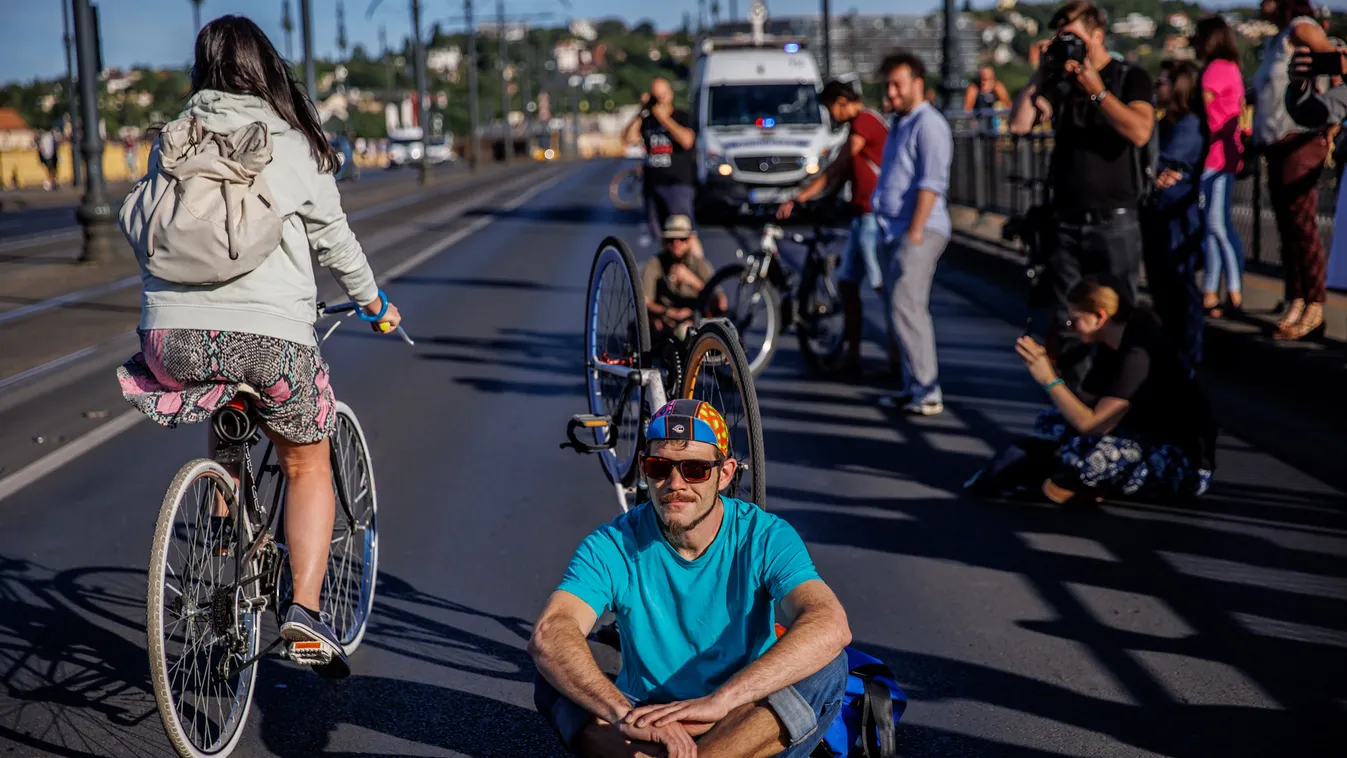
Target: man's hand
[
  {"x": 702, "y": 713},
  {"x": 1087, "y": 76},
  {"x": 678, "y": 314},
  {"x": 673, "y": 737},
  {"x": 915, "y": 234},
  {"x": 783, "y": 212},
  {"x": 681, "y": 274},
  {"x": 1168, "y": 178},
  {"x": 662, "y": 111}
]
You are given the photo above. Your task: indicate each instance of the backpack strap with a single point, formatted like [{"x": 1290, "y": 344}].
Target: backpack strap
[{"x": 877, "y": 730}]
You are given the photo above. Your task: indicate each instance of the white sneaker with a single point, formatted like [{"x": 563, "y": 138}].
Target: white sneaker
[{"x": 924, "y": 408}]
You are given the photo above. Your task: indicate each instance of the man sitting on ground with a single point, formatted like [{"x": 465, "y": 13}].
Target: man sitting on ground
[
  {"x": 692, "y": 577},
  {"x": 672, "y": 281}
]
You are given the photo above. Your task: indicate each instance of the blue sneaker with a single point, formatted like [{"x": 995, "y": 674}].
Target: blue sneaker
[{"x": 313, "y": 643}]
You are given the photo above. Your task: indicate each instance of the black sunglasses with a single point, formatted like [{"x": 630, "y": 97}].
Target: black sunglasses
[{"x": 693, "y": 471}]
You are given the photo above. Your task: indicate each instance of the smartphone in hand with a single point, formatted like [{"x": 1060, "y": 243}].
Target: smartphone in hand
[{"x": 1307, "y": 65}]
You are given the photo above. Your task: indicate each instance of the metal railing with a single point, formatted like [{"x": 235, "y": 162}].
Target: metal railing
[{"x": 997, "y": 172}]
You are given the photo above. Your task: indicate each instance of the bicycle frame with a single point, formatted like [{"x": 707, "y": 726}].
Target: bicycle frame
[{"x": 652, "y": 392}]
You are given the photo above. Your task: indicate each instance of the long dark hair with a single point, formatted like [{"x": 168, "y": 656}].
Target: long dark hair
[
  {"x": 234, "y": 55},
  {"x": 1214, "y": 40},
  {"x": 1288, "y": 10},
  {"x": 1185, "y": 91}
]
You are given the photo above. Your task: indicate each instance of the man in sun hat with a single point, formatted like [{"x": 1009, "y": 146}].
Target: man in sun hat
[
  {"x": 692, "y": 577},
  {"x": 672, "y": 281}
]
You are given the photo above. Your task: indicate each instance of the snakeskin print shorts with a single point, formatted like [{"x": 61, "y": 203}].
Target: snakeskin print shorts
[{"x": 182, "y": 376}]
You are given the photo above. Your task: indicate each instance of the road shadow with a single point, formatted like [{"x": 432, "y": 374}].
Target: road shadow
[
  {"x": 1222, "y": 625},
  {"x": 519, "y": 285},
  {"x": 71, "y": 683}
]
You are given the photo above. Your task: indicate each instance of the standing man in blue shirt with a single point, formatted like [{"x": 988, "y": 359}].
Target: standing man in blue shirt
[
  {"x": 909, "y": 204},
  {"x": 692, "y": 577}
]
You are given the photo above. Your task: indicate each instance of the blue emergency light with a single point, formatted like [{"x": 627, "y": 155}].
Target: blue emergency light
[
  {"x": 766, "y": 123},
  {"x": 792, "y": 47}
]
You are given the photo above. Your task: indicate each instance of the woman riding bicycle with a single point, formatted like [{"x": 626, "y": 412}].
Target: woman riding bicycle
[{"x": 198, "y": 344}]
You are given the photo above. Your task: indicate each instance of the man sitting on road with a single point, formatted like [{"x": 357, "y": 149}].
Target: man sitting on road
[
  {"x": 672, "y": 281},
  {"x": 692, "y": 577}
]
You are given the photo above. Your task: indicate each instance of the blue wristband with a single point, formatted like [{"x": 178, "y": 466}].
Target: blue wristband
[
  {"x": 366, "y": 317},
  {"x": 1048, "y": 387}
]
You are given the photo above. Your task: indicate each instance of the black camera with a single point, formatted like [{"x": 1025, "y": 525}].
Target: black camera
[{"x": 1065, "y": 47}]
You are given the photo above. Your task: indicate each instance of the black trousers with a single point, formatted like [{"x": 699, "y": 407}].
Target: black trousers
[{"x": 1082, "y": 246}]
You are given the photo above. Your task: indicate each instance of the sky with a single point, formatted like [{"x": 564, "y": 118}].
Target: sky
[{"x": 159, "y": 32}]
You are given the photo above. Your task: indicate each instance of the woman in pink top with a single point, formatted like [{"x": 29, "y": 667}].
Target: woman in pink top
[{"x": 1223, "y": 94}]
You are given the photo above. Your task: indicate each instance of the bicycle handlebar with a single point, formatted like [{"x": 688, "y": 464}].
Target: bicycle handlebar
[{"x": 353, "y": 307}]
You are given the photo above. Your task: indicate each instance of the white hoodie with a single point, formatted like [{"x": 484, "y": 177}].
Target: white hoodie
[{"x": 279, "y": 298}]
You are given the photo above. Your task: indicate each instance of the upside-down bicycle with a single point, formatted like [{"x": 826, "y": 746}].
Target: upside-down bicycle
[
  {"x": 627, "y": 380},
  {"x": 219, "y": 560}
]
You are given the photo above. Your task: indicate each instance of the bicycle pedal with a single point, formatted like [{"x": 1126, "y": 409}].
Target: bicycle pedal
[
  {"x": 309, "y": 653},
  {"x": 591, "y": 421}
]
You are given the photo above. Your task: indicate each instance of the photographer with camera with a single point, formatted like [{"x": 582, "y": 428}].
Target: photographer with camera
[
  {"x": 670, "y": 172},
  {"x": 1103, "y": 117}
]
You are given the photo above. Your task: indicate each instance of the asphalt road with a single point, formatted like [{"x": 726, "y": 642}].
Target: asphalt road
[{"x": 1017, "y": 630}]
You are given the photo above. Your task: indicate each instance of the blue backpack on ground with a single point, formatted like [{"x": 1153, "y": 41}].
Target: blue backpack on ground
[{"x": 867, "y": 725}]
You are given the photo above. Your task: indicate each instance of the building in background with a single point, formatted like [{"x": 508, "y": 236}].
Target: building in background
[
  {"x": 860, "y": 41},
  {"x": 15, "y": 133}
]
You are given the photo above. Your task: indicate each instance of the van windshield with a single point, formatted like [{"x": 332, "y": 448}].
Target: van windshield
[{"x": 744, "y": 104}]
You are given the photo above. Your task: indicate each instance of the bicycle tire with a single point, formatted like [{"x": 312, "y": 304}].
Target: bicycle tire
[
  {"x": 628, "y": 178},
  {"x": 604, "y": 390},
  {"x": 719, "y": 337},
  {"x": 812, "y": 311},
  {"x": 188, "y": 746},
  {"x": 348, "y": 598},
  {"x": 761, "y": 357}
]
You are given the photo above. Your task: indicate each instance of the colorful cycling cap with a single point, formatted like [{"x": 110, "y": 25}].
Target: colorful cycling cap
[{"x": 693, "y": 420}]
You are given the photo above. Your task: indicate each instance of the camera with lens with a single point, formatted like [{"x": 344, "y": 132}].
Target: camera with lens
[{"x": 1065, "y": 47}]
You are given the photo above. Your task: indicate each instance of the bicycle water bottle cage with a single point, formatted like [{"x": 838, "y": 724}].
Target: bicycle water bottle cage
[{"x": 592, "y": 422}]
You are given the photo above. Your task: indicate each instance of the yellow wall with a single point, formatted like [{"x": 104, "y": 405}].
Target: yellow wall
[{"x": 23, "y": 168}]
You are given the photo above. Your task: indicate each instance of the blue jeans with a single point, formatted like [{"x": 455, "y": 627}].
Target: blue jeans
[
  {"x": 861, "y": 256},
  {"x": 1223, "y": 248},
  {"x": 806, "y": 709}
]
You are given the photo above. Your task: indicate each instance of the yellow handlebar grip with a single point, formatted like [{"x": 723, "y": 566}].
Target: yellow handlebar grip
[{"x": 383, "y": 326}]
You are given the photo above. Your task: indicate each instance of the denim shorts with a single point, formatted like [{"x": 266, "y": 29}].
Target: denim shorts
[
  {"x": 861, "y": 256},
  {"x": 806, "y": 708}
]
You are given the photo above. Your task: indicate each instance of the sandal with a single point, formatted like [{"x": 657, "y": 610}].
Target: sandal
[{"x": 1309, "y": 323}]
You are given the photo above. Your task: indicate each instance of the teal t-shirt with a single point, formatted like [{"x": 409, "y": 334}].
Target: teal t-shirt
[{"x": 688, "y": 626}]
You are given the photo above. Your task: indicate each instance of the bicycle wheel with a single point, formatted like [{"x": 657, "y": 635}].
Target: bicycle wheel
[
  {"x": 717, "y": 372},
  {"x": 754, "y": 308},
  {"x": 617, "y": 342},
  {"x": 625, "y": 189},
  {"x": 198, "y": 624},
  {"x": 821, "y": 319},
  {"x": 353, "y": 564}
]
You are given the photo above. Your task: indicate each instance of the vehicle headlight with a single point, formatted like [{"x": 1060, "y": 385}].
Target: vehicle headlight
[
  {"x": 811, "y": 167},
  {"x": 725, "y": 169}
]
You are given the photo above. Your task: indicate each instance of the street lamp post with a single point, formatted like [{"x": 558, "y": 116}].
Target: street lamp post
[
  {"x": 72, "y": 104},
  {"x": 474, "y": 139},
  {"x": 306, "y": 41},
  {"x": 827, "y": 41},
  {"x": 949, "y": 66},
  {"x": 419, "y": 65},
  {"x": 95, "y": 213},
  {"x": 504, "y": 85},
  {"x": 196, "y": 15}
]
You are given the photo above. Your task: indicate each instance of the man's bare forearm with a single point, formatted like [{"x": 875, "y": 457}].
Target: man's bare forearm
[
  {"x": 1024, "y": 114},
  {"x": 1129, "y": 122},
  {"x": 564, "y": 660},
  {"x": 808, "y": 645},
  {"x": 632, "y": 134}
]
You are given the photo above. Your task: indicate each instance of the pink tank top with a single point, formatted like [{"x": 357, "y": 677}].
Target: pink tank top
[{"x": 1222, "y": 78}]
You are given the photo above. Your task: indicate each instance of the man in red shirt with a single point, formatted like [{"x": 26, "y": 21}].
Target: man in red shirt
[{"x": 859, "y": 161}]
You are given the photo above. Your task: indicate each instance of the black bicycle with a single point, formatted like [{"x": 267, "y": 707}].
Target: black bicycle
[
  {"x": 219, "y": 560},
  {"x": 766, "y": 297}
]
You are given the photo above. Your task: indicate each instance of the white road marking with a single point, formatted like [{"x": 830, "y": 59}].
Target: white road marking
[
  {"x": 78, "y": 447},
  {"x": 67, "y": 453},
  {"x": 72, "y": 297}
]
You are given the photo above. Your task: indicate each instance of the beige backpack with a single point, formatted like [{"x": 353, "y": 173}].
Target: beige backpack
[{"x": 206, "y": 215}]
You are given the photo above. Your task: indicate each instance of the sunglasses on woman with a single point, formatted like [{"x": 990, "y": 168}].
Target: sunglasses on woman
[{"x": 693, "y": 471}]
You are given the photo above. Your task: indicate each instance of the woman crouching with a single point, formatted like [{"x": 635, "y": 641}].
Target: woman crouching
[{"x": 1140, "y": 428}]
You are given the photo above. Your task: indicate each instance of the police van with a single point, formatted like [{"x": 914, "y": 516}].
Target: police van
[{"x": 761, "y": 133}]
